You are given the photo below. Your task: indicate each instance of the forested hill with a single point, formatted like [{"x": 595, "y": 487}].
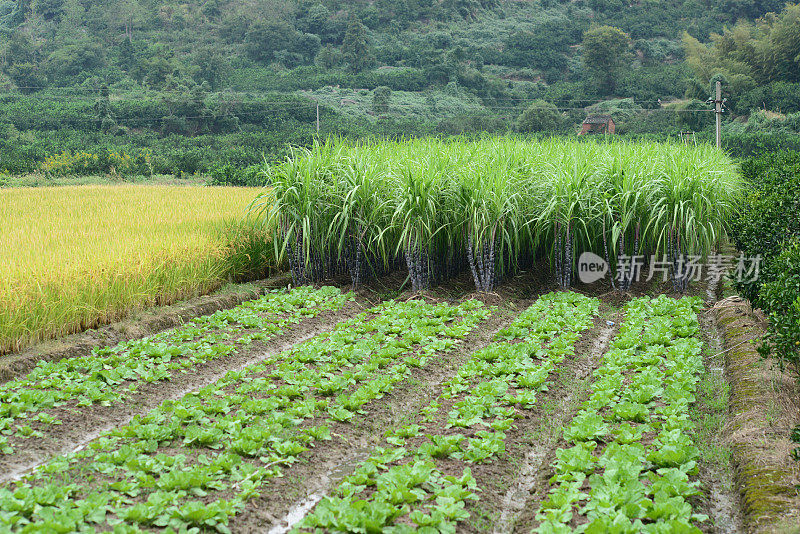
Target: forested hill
[
  {"x": 121, "y": 76},
  {"x": 495, "y": 49}
]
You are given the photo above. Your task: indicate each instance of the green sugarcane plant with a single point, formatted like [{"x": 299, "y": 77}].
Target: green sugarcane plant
[{"x": 490, "y": 206}]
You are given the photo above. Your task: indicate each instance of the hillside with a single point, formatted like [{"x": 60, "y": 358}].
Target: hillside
[
  {"x": 495, "y": 48},
  {"x": 149, "y": 70}
]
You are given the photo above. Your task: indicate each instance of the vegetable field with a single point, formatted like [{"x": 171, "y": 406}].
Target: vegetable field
[
  {"x": 318, "y": 410},
  {"x": 75, "y": 257}
]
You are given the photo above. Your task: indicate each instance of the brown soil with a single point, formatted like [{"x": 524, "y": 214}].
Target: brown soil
[
  {"x": 142, "y": 324},
  {"x": 81, "y": 425},
  {"x": 763, "y": 410}
]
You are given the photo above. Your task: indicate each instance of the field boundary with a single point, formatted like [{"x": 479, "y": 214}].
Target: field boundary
[
  {"x": 140, "y": 324},
  {"x": 763, "y": 407}
]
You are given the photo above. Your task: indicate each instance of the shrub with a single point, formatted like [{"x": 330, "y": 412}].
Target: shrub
[
  {"x": 540, "y": 116},
  {"x": 228, "y": 174},
  {"x": 781, "y": 299},
  {"x": 767, "y": 217}
]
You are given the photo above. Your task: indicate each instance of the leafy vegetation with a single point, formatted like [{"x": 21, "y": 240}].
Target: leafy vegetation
[
  {"x": 194, "y": 462},
  {"x": 110, "y": 375},
  {"x": 403, "y": 487},
  {"x": 493, "y": 205},
  {"x": 630, "y": 440}
]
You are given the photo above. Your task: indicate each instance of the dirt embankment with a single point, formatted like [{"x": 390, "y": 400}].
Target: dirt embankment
[
  {"x": 764, "y": 407},
  {"x": 143, "y": 324}
]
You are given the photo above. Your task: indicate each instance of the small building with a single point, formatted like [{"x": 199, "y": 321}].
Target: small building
[{"x": 598, "y": 124}]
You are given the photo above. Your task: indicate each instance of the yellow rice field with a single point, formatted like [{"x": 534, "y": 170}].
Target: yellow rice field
[{"x": 75, "y": 257}]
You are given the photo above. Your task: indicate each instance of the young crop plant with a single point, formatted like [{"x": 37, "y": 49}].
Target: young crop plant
[
  {"x": 193, "y": 463},
  {"x": 422, "y": 480},
  {"x": 110, "y": 375},
  {"x": 629, "y": 463}
]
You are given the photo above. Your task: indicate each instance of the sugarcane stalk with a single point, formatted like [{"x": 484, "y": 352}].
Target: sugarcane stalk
[
  {"x": 557, "y": 246},
  {"x": 471, "y": 259},
  {"x": 605, "y": 248},
  {"x": 568, "y": 257},
  {"x": 410, "y": 265},
  {"x": 490, "y": 280}
]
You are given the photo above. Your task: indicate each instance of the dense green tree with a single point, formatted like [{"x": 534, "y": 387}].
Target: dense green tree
[
  {"x": 212, "y": 67},
  {"x": 104, "y": 114},
  {"x": 126, "y": 16},
  {"x": 356, "y": 47},
  {"x": 307, "y": 45},
  {"x": 27, "y": 76},
  {"x": 544, "y": 48},
  {"x": 381, "y": 97},
  {"x": 158, "y": 67},
  {"x": 539, "y": 116},
  {"x": 695, "y": 115},
  {"x": 73, "y": 16},
  {"x": 313, "y": 19},
  {"x": 266, "y": 38},
  {"x": 465, "y": 9},
  {"x": 605, "y": 52},
  {"x": 21, "y": 12},
  {"x": 330, "y": 57},
  {"x": 19, "y": 48},
  {"x": 766, "y": 52},
  {"x": 738, "y": 9},
  {"x": 70, "y": 59},
  {"x": 48, "y": 9}
]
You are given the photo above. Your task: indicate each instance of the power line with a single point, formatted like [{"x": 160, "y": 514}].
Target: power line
[{"x": 307, "y": 94}]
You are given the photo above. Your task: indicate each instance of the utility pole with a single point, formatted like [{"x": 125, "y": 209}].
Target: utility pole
[
  {"x": 317, "y": 101},
  {"x": 718, "y": 112}
]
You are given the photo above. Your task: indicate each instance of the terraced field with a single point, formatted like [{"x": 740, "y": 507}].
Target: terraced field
[{"x": 317, "y": 410}]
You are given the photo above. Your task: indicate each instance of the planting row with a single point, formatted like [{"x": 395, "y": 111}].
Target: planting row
[
  {"x": 194, "y": 462},
  {"x": 629, "y": 461},
  {"x": 110, "y": 375},
  {"x": 421, "y": 481}
]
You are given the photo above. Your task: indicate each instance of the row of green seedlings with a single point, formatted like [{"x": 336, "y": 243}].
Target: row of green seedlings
[
  {"x": 629, "y": 463},
  {"x": 193, "y": 463},
  {"x": 29, "y": 406},
  {"x": 494, "y": 206},
  {"x": 421, "y": 481}
]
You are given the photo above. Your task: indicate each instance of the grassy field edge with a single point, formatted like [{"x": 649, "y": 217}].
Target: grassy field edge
[
  {"x": 759, "y": 424},
  {"x": 139, "y": 324}
]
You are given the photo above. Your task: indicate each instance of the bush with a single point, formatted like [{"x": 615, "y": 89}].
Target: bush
[
  {"x": 540, "y": 116},
  {"x": 228, "y": 174},
  {"x": 781, "y": 299},
  {"x": 768, "y": 225},
  {"x": 768, "y": 215}
]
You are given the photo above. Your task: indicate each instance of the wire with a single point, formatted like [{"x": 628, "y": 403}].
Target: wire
[
  {"x": 302, "y": 93},
  {"x": 272, "y": 93}
]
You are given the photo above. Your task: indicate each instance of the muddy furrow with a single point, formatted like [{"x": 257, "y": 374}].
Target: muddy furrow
[
  {"x": 528, "y": 460},
  {"x": 82, "y": 425},
  {"x": 510, "y": 485},
  {"x": 720, "y": 501},
  {"x": 287, "y": 500}
]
